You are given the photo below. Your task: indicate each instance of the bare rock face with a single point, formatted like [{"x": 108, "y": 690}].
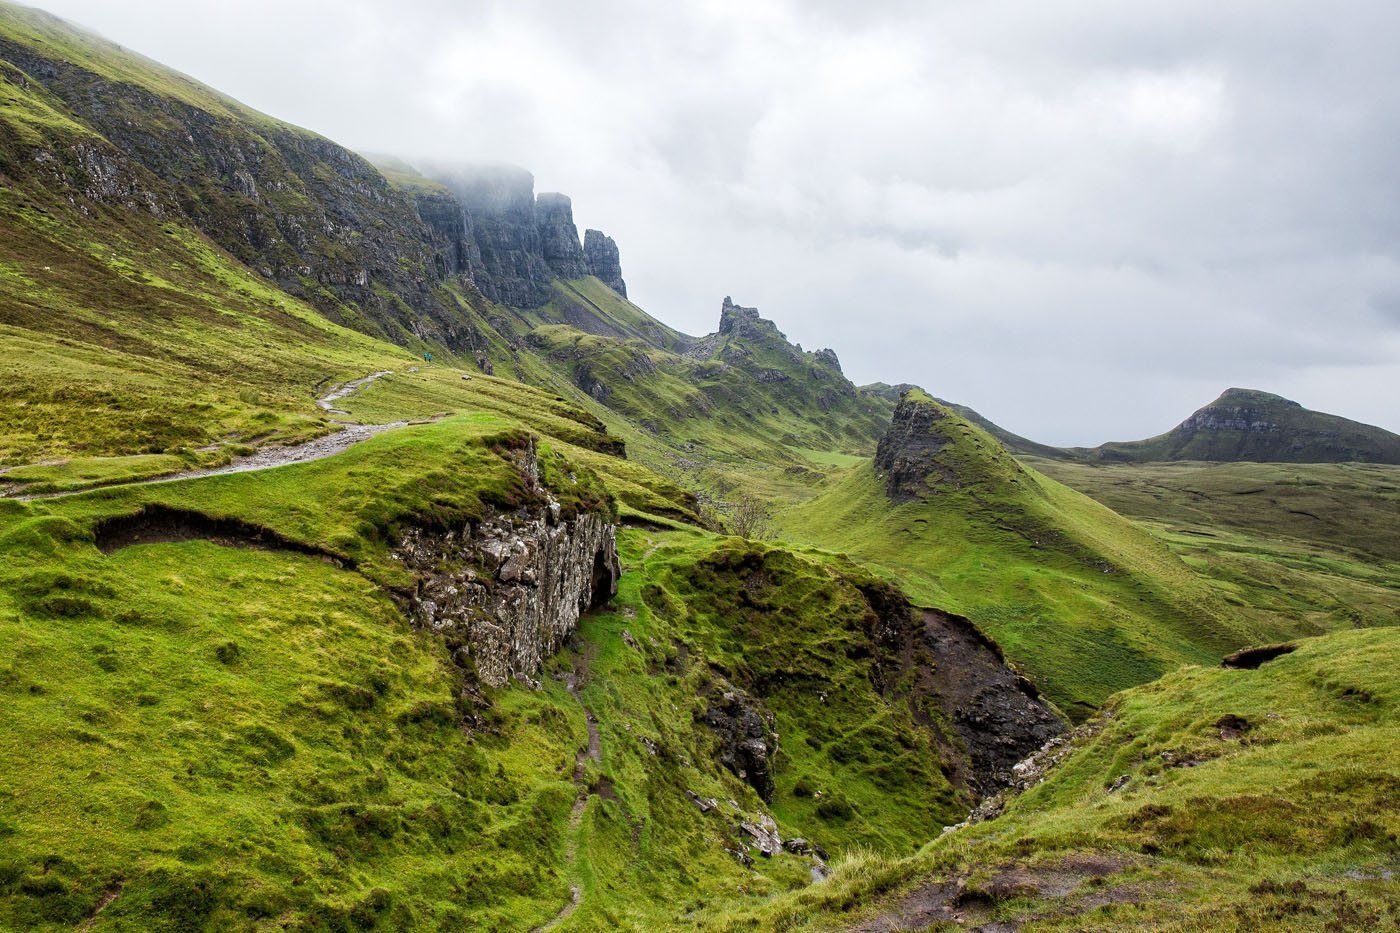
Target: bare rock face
[
  {"x": 603, "y": 259},
  {"x": 554, "y": 217},
  {"x": 999, "y": 714},
  {"x": 747, "y": 741},
  {"x": 506, "y": 592},
  {"x": 506, "y": 258},
  {"x": 907, "y": 452}
]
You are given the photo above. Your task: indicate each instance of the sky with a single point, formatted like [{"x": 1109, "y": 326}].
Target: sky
[{"x": 1084, "y": 218}]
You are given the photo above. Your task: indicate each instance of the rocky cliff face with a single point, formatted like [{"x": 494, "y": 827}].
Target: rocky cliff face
[
  {"x": 508, "y": 590},
  {"x": 554, "y": 218},
  {"x": 310, "y": 215},
  {"x": 601, "y": 254},
  {"x": 498, "y": 202},
  {"x": 514, "y": 243},
  {"x": 996, "y": 714}
]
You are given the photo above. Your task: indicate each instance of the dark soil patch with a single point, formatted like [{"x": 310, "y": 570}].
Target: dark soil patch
[
  {"x": 997, "y": 713},
  {"x": 957, "y": 901},
  {"x": 1249, "y": 659},
  {"x": 160, "y": 524}
]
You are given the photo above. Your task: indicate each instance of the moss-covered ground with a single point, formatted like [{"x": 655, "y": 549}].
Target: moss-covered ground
[
  {"x": 1211, "y": 799},
  {"x": 1082, "y": 600},
  {"x": 251, "y": 738}
]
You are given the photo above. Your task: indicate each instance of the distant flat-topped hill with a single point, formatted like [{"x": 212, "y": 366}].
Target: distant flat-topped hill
[
  {"x": 1242, "y": 425},
  {"x": 1247, "y": 424}
]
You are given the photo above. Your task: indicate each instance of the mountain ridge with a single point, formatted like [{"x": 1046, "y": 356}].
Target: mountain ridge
[{"x": 1240, "y": 425}]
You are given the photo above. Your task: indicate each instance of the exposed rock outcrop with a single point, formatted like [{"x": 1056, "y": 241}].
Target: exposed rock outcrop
[
  {"x": 508, "y": 590},
  {"x": 906, "y": 455},
  {"x": 998, "y": 714},
  {"x": 743, "y": 323},
  {"x": 604, "y": 261},
  {"x": 554, "y": 217},
  {"x": 747, "y": 740},
  {"x": 514, "y": 244},
  {"x": 499, "y": 203}
]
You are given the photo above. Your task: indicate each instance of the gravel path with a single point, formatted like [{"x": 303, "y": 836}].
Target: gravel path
[
  {"x": 327, "y": 401},
  {"x": 271, "y": 457}
]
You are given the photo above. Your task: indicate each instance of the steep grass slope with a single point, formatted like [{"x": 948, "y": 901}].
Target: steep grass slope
[
  {"x": 1212, "y": 799},
  {"x": 1083, "y": 601}
]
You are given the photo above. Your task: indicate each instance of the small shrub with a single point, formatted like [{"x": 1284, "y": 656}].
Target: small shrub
[{"x": 835, "y": 808}]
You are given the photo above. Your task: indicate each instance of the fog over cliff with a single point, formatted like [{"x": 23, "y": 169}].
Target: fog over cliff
[{"x": 1083, "y": 218}]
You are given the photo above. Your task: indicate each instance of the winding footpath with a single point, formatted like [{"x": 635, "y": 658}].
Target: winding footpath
[
  {"x": 269, "y": 458},
  {"x": 593, "y": 751}
]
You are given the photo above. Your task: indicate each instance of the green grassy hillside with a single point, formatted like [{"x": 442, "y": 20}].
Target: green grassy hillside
[
  {"x": 1316, "y": 543},
  {"x": 228, "y": 721},
  {"x": 1086, "y": 603},
  {"x": 255, "y": 737},
  {"x": 1212, "y": 799}
]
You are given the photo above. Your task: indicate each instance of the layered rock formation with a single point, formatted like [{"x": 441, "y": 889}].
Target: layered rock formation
[
  {"x": 604, "y": 261},
  {"x": 554, "y": 218},
  {"x": 507, "y": 591},
  {"x": 499, "y": 227},
  {"x": 514, "y": 244}
]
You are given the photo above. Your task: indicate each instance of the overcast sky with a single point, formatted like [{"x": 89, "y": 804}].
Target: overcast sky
[{"x": 1084, "y": 219}]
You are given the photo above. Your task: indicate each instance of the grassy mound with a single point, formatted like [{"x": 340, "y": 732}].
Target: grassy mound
[{"x": 1086, "y": 603}]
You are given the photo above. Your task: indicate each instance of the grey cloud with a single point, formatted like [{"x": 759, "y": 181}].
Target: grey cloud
[{"x": 1082, "y": 217}]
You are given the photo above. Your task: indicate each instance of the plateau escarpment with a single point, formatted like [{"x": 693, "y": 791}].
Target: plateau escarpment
[
  {"x": 512, "y": 244},
  {"x": 304, "y": 212}
]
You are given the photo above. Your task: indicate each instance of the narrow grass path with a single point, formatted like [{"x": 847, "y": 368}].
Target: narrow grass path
[{"x": 592, "y": 751}]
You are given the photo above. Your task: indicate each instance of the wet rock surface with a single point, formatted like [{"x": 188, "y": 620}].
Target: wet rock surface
[{"x": 998, "y": 714}]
